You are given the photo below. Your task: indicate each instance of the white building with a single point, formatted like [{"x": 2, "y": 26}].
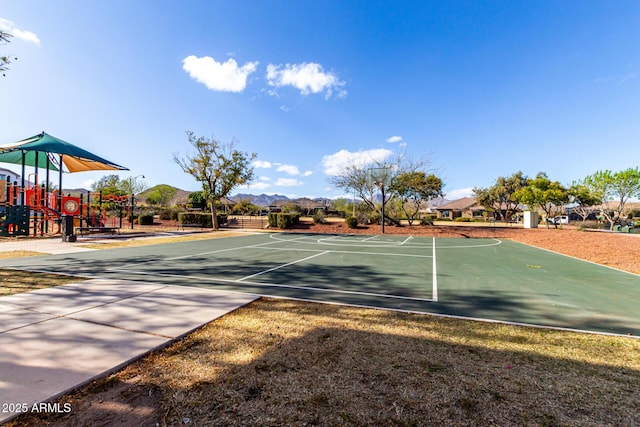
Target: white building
[{"x": 8, "y": 174}]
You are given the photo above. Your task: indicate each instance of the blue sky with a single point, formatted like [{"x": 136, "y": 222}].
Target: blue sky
[{"x": 482, "y": 89}]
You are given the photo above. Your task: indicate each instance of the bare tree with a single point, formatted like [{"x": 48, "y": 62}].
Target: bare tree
[
  {"x": 5, "y": 60},
  {"x": 218, "y": 167},
  {"x": 353, "y": 179}
]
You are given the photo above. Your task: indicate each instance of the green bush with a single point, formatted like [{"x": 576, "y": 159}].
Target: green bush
[
  {"x": 351, "y": 221},
  {"x": 463, "y": 219},
  {"x": 169, "y": 214},
  {"x": 375, "y": 218},
  {"x": 145, "y": 219},
  {"x": 272, "y": 218},
  {"x": 286, "y": 220},
  {"x": 201, "y": 218},
  {"x": 318, "y": 218},
  {"x": 427, "y": 220}
]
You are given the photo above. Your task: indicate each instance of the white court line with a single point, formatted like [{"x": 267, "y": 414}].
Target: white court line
[
  {"x": 273, "y": 285},
  {"x": 369, "y": 242},
  {"x": 258, "y": 245},
  {"x": 352, "y": 252},
  {"x": 434, "y": 273},
  {"x": 496, "y": 243},
  {"x": 281, "y": 266}
]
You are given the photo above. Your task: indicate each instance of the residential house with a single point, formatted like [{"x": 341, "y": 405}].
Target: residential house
[
  {"x": 8, "y": 175},
  {"x": 466, "y": 207}
]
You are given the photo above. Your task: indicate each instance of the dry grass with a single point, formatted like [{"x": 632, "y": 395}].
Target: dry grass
[
  {"x": 278, "y": 362},
  {"x": 18, "y": 254},
  {"x": 111, "y": 244},
  {"x": 15, "y": 282}
]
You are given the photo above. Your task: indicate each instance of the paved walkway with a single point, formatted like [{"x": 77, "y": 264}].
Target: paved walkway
[
  {"x": 47, "y": 246},
  {"x": 55, "y": 339}
]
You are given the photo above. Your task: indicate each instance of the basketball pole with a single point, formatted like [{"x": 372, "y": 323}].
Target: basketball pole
[{"x": 382, "y": 190}]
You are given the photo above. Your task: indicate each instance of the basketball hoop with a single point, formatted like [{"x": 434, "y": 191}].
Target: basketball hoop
[{"x": 380, "y": 177}]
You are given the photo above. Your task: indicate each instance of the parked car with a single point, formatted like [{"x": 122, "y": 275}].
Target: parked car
[{"x": 560, "y": 219}]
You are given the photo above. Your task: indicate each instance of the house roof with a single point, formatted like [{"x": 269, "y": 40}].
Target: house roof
[
  {"x": 8, "y": 171},
  {"x": 458, "y": 205}
]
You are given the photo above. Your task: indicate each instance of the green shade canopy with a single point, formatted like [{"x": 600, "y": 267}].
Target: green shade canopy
[
  {"x": 29, "y": 159},
  {"x": 74, "y": 158}
]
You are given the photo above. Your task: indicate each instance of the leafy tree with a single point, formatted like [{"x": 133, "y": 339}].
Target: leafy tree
[
  {"x": 5, "y": 60},
  {"x": 133, "y": 185},
  {"x": 218, "y": 167},
  {"x": 500, "y": 197},
  {"x": 112, "y": 184},
  {"x": 413, "y": 189},
  {"x": 581, "y": 194},
  {"x": 196, "y": 200},
  {"x": 108, "y": 184},
  {"x": 543, "y": 193},
  {"x": 161, "y": 195},
  {"x": 619, "y": 186},
  {"x": 245, "y": 207},
  {"x": 343, "y": 205},
  {"x": 290, "y": 207}
]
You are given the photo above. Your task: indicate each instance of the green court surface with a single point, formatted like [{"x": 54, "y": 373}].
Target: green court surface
[{"x": 474, "y": 278}]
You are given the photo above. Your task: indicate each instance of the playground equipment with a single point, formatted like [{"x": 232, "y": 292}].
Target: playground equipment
[
  {"x": 35, "y": 211},
  {"x": 28, "y": 206}
]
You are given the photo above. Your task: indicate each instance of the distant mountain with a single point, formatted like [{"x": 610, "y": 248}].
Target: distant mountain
[
  {"x": 75, "y": 191},
  {"x": 179, "y": 199},
  {"x": 438, "y": 202},
  {"x": 278, "y": 199},
  {"x": 262, "y": 199}
]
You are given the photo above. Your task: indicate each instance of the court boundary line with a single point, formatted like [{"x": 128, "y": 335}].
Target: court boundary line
[
  {"x": 282, "y": 266},
  {"x": 458, "y": 317},
  {"x": 349, "y": 252},
  {"x": 578, "y": 259},
  {"x": 434, "y": 277},
  {"x": 274, "y": 285},
  {"x": 399, "y": 310},
  {"x": 391, "y": 244}
]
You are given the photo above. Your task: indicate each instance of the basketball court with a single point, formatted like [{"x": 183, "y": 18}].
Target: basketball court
[{"x": 486, "y": 279}]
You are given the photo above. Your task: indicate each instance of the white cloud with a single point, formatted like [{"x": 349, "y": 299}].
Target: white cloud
[
  {"x": 290, "y": 169},
  {"x": 285, "y": 108},
  {"x": 394, "y": 139},
  {"x": 220, "y": 76},
  {"x": 459, "y": 193},
  {"x": 307, "y": 173},
  {"x": 262, "y": 164},
  {"x": 334, "y": 164},
  {"x": 9, "y": 27},
  {"x": 259, "y": 185},
  {"x": 288, "y": 182},
  {"x": 88, "y": 183},
  {"x": 307, "y": 77}
]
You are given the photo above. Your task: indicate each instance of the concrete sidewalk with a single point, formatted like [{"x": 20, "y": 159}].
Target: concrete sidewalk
[
  {"x": 56, "y": 339},
  {"x": 55, "y": 245},
  {"x": 45, "y": 246}
]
